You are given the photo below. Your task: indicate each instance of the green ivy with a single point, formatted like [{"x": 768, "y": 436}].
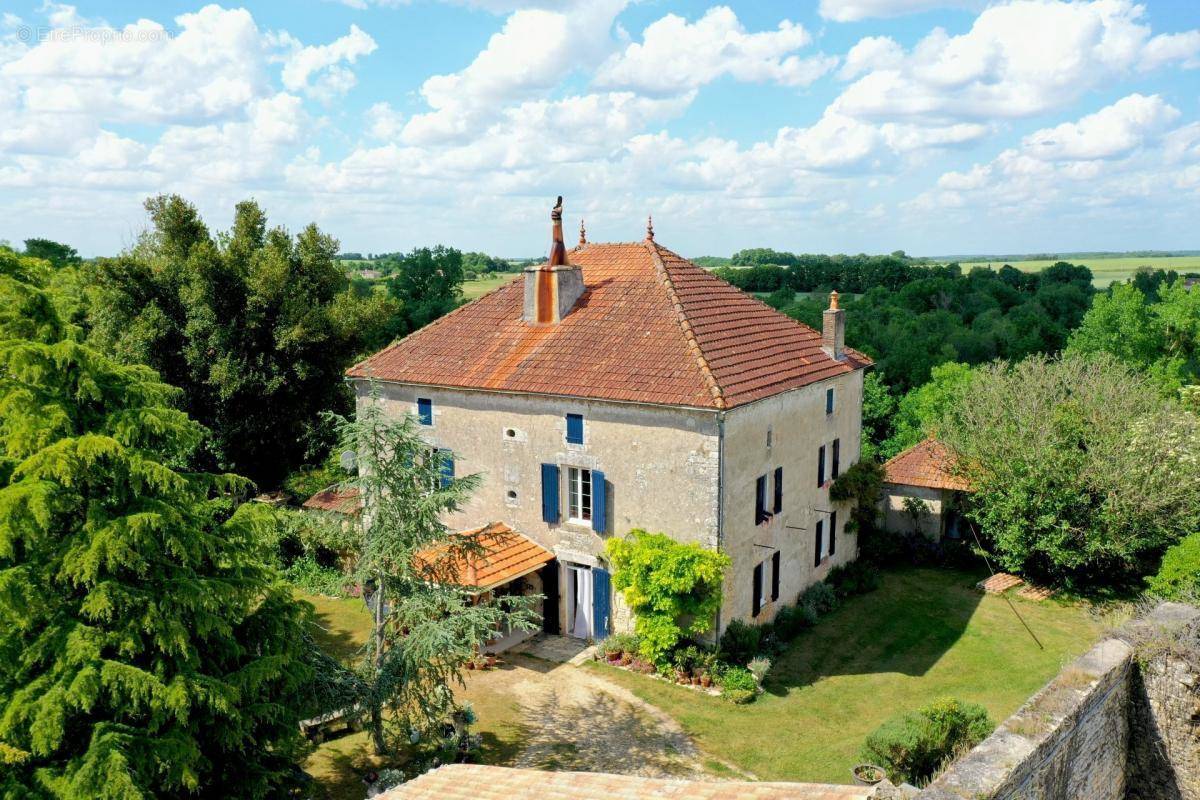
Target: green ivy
[{"x": 673, "y": 589}]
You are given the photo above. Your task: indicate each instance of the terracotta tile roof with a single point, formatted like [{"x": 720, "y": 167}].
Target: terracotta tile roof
[
  {"x": 481, "y": 782},
  {"x": 505, "y": 555},
  {"x": 651, "y": 327},
  {"x": 927, "y": 464},
  {"x": 339, "y": 501}
]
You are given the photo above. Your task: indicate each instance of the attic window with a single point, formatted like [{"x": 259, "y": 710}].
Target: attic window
[
  {"x": 511, "y": 433},
  {"x": 512, "y": 495}
]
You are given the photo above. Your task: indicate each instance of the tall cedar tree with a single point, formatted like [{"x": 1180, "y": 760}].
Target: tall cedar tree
[
  {"x": 254, "y": 325},
  {"x": 145, "y": 649},
  {"x": 426, "y": 627}
]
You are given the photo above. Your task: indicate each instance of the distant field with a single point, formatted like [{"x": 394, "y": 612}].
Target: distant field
[
  {"x": 473, "y": 290},
  {"x": 1104, "y": 270}
]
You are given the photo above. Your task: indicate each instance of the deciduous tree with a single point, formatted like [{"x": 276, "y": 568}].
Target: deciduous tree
[{"x": 1082, "y": 473}]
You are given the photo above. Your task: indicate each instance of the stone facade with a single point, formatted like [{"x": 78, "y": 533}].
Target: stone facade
[
  {"x": 686, "y": 472},
  {"x": 896, "y": 517},
  {"x": 786, "y": 431}
]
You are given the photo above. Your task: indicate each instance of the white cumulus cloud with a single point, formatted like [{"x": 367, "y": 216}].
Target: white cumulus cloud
[{"x": 676, "y": 55}]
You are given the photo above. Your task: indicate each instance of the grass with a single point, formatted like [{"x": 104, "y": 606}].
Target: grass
[
  {"x": 340, "y": 626},
  {"x": 924, "y": 634},
  {"x": 473, "y": 290},
  {"x": 1105, "y": 271}
]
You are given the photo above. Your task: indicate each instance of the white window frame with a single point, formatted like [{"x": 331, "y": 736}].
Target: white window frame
[{"x": 579, "y": 495}]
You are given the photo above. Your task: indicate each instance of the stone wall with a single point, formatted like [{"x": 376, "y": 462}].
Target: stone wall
[
  {"x": 1117, "y": 723},
  {"x": 785, "y": 430}
]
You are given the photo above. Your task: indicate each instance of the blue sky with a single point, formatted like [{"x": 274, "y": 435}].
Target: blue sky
[{"x": 933, "y": 126}]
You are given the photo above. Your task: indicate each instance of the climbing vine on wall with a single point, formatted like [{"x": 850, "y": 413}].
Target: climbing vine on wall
[{"x": 674, "y": 589}]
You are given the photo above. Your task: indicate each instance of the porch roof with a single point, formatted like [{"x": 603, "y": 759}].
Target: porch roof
[{"x": 506, "y": 555}]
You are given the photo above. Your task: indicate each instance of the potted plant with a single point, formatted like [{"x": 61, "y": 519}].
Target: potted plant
[
  {"x": 490, "y": 659},
  {"x": 705, "y": 679},
  {"x": 867, "y": 774}
]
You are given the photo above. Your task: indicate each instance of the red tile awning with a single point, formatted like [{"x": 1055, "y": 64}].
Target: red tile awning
[{"x": 504, "y": 555}]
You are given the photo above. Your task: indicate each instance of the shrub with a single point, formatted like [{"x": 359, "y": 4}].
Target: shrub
[
  {"x": 790, "y": 621},
  {"x": 620, "y": 643},
  {"x": 738, "y": 685},
  {"x": 740, "y": 642},
  {"x": 912, "y": 747},
  {"x": 854, "y": 578},
  {"x": 307, "y": 575},
  {"x": 673, "y": 589},
  {"x": 1178, "y": 576},
  {"x": 820, "y": 596}
]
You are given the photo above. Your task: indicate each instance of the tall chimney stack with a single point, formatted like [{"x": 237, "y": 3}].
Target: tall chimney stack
[
  {"x": 833, "y": 329},
  {"x": 552, "y": 288}
]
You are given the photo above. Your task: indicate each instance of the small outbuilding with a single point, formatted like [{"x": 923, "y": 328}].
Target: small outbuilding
[{"x": 922, "y": 492}]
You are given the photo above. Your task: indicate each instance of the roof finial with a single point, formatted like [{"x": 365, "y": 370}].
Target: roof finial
[
  {"x": 649, "y": 228},
  {"x": 833, "y": 300},
  {"x": 582, "y": 233},
  {"x": 558, "y": 250}
]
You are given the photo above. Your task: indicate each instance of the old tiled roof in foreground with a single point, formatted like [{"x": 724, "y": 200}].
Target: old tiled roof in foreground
[
  {"x": 480, "y": 782},
  {"x": 651, "y": 327},
  {"x": 503, "y": 555},
  {"x": 927, "y": 464}
]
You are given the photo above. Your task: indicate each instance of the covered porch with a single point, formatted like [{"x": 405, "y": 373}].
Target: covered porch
[{"x": 506, "y": 563}]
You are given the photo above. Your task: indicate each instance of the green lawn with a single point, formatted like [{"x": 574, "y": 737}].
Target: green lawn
[
  {"x": 473, "y": 290},
  {"x": 924, "y": 634},
  {"x": 340, "y": 626}
]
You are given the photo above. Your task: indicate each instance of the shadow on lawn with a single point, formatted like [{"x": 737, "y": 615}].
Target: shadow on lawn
[{"x": 905, "y": 626}]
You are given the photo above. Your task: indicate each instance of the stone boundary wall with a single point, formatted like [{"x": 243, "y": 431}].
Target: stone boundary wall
[{"x": 1072, "y": 740}]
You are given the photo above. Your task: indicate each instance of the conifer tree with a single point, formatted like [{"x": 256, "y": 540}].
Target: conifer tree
[
  {"x": 146, "y": 650},
  {"x": 427, "y": 624}
]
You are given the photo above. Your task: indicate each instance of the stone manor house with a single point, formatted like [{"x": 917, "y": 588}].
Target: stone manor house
[{"x": 620, "y": 386}]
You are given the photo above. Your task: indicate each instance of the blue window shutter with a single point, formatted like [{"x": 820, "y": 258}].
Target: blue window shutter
[
  {"x": 601, "y": 602},
  {"x": 832, "y": 532},
  {"x": 447, "y": 468},
  {"x": 837, "y": 456},
  {"x": 425, "y": 410},
  {"x": 599, "y": 502},
  {"x": 575, "y": 428},
  {"x": 829, "y": 401},
  {"x": 775, "y": 567},
  {"x": 550, "y": 493},
  {"x": 821, "y": 465},
  {"x": 760, "y": 500},
  {"x": 817, "y": 542}
]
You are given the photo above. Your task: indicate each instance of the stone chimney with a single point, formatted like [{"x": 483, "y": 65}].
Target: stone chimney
[
  {"x": 552, "y": 288},
  {"x": 833, "y": 329}
]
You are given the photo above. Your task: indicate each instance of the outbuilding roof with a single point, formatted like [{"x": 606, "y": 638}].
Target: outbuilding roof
[
  {"x": 650, "y": 327},
  {"x": 928, "y": 464},
  {"x": 335, "y": 499}
]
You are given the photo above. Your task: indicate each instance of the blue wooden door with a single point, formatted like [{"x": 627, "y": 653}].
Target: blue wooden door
[{"x": 601, "y": 603}]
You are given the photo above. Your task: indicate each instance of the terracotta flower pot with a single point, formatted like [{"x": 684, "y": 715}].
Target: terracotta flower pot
[
  {"x": 470, "y": 665},
  {"x": 490, "y": 660},
  {"x": 613, "y": 658},
  {"x": 706, "y": 680},
  {"x": 626, "y": 659}
]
